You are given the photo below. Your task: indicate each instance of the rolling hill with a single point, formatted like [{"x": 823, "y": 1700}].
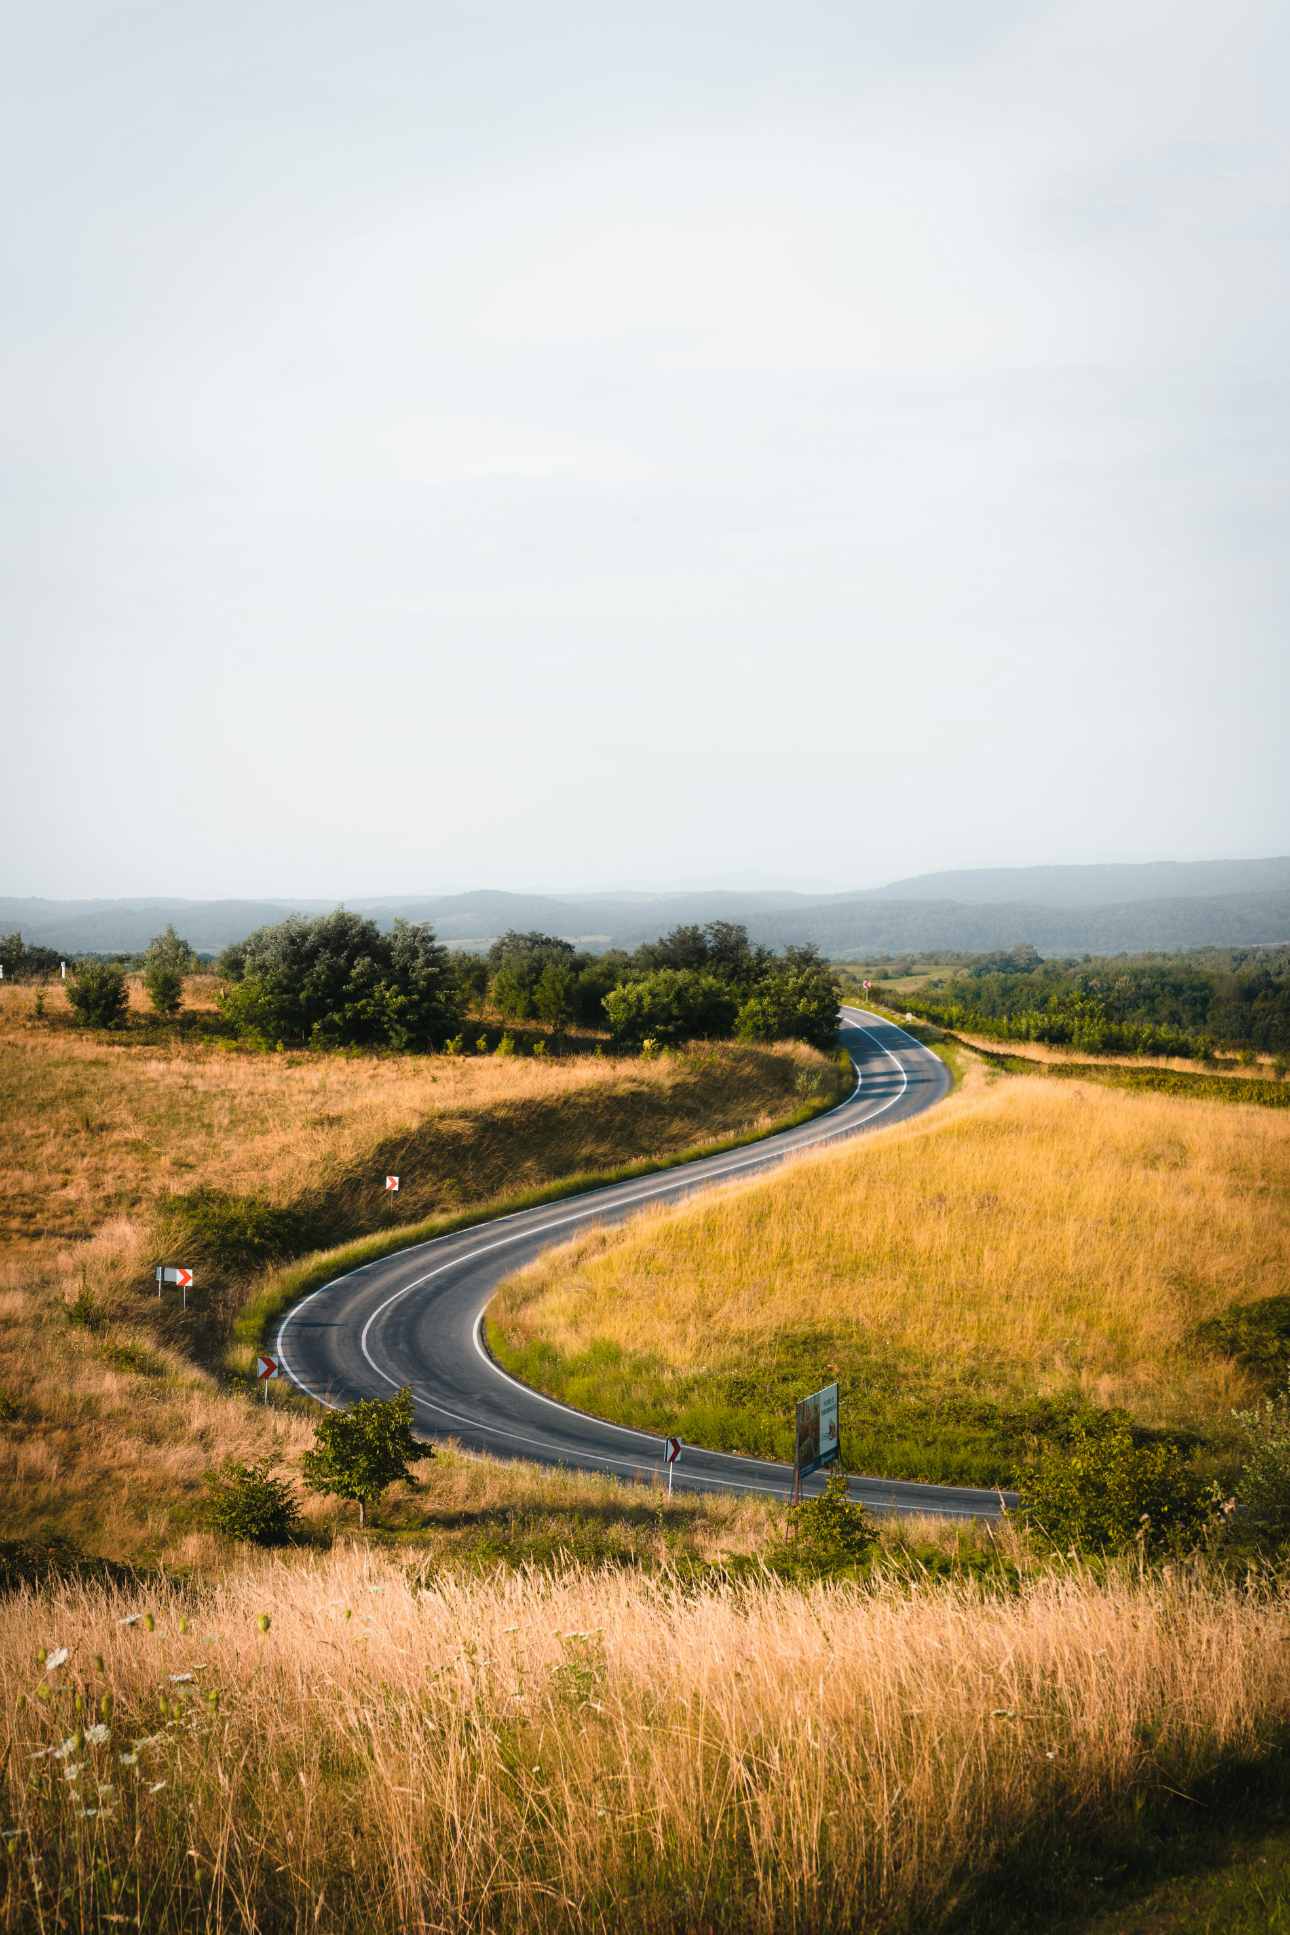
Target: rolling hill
[{"x": 1110, "y": 909}]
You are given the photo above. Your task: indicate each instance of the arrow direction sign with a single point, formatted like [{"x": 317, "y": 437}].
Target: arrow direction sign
[
  {"x": 182, "y": 1279},
  {"x": 672, "y": 1453},
  {"x": 392, "y": 1182},
  {"x": 267, "y": 1368}
]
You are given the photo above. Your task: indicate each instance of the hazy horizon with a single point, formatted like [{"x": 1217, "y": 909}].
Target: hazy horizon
[{"x": 641, "y": 449}]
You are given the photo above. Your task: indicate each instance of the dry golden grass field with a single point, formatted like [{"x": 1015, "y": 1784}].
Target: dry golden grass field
[
  {"x": 1032, "y": 1240},
  {"x": 114, "y": 1402},
  {"x": 344, "y": 1744}
]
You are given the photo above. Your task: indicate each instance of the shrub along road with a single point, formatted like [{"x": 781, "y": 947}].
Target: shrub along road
[{"x": 416, "y": 1318}]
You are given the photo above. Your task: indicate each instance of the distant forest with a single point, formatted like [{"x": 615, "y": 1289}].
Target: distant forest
[{"x": 1161, "y": 1004}]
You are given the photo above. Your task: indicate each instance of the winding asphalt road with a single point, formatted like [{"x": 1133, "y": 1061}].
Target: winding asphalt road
[{"x": 416, "y": 1317}]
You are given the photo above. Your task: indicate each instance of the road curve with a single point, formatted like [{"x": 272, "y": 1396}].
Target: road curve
[{"x": 416, "y": 1317}]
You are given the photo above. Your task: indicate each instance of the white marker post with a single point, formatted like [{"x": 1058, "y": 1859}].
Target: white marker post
[
  {"x": 672, "y": 1452},
  {"x": 183, "y": 1279},
  {"x": 392, "y": 1182},
  {"x": 266, "y": 1369}
]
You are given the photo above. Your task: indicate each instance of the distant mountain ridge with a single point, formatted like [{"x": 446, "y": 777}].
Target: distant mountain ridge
[{"x": 1091, "y": 909}]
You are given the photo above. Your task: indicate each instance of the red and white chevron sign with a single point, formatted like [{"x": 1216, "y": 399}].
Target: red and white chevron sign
[
  {"x": 391, "y": 1182},
  {"x": 266, "y": 1367},
  {"x": 182, "y": 1279},
  {"x": 673, "y": 1451}
]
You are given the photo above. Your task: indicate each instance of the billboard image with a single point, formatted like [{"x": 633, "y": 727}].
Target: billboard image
[{"x": 817, "y": 1430}]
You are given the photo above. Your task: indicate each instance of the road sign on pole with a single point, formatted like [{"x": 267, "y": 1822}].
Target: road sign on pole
[
  {"x": 266, "y": 1369},
  {"x": 672, "y": 1453},
  {"x": 182, "y": 1279},
  {"x": 817, "y": 1434},
  {"x": 867, "y": 986},
  {"x": 392, "y": 1182}
]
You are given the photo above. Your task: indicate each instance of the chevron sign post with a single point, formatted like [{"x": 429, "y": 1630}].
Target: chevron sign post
[
  {"x": 182, "y": 1279},
  {"x": 672, "y": 1454},
  {"x": 266, "y": 1369},
  {"x": 392, "y": 1182}
]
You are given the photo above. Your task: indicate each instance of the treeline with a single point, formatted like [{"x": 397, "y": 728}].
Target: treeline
[
  {"x": 1163, "y": 1004},
  {"x": 339, "y": 981}
]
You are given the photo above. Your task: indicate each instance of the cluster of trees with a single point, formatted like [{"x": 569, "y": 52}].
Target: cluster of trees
[
  {"x": 695, "y": 983},
  {"x": 1165, "y": 1004},
  {"x": 338, "y": 981},
  {"x": 23, "y": 962}
]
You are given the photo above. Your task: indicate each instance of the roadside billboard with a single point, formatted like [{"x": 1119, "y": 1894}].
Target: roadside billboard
[{"x": 817, "y": 1430}]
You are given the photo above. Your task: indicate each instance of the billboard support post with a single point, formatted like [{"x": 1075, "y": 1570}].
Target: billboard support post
[{"x": 816, "y": 1441}]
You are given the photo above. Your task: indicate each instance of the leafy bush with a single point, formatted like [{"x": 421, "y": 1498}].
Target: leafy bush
[
  {"x": 1263, "y": 1489},
  {"x": 359, "y": 1451},
  {"x": 673, "y": 1005},
  {"x": 830, "y": 1535},
  {"x": 97, "y": 993},
  {"x": 249, "y": 1503},
  {"x": 1256, "y": 1334},
  {"x": 1104, "y": 1491}
]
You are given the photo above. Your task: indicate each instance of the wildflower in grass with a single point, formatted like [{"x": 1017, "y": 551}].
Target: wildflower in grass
[
  {"x": 264, "y": 1622},
  {"x": 156, "y": 1787},
  {"x": 65, "y": 1748},
  {"x": 128, "y": 1760},
  {"x": 181, "y": 1679},
  {"x": 131, "y": 1619},
  {"x": 97, "y": 1734},
  {"x": 59, "y": 1657}
]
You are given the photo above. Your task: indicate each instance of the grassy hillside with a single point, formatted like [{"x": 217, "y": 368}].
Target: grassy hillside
[
  {"x": 348, "y": 1743},
  {"x": 118, "y": 1155},
  {"x": 1035, "y": 1245}
]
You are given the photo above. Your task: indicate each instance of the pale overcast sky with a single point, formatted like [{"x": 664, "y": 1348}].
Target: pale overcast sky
[{"x": 684, "y": 443}]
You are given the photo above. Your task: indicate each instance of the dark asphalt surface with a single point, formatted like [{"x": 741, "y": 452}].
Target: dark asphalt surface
[{"x": 416, "y": 1317}]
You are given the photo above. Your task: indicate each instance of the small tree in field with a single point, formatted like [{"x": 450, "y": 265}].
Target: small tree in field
[
  {"x": 98, "y": 994},
  {"x": 358, "y": 1452},
  {"x": 165, "y": 964}
]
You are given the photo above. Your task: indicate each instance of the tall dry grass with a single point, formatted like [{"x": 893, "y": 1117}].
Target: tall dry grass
[
  {"x": 1031, "y": 1236},
  {"x": 328, "y": 1747}
]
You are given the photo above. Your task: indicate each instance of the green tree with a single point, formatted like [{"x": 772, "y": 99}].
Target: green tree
[
  {"x": 555, "y": 993},
  {"x": 97, "y": 993},
  {"x": 359, "y": 1451},
  {"x": 339, "y": 981},
  {"x": 516, "y": 964},
  {"x": 250, "y": 1503},
  {"x": 168, "y": 959},
  {"x": 797, "y": 1000},
  {"x": 1102, "y": 1491},
  {"x": 671, "y": 1005}
]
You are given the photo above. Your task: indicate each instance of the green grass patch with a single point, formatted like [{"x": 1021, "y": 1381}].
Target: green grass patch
[{"x": 900, "y": 1419}]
